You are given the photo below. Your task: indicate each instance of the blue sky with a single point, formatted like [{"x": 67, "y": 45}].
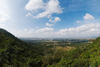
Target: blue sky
[{"x": 51, "y": 18}]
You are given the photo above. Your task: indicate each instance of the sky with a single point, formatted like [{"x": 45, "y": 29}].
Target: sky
[{"x": 51, "y": 18}]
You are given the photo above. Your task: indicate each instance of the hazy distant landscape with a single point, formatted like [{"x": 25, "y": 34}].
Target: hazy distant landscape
[
  {"x": 57, "y": 41},
  {"x": 48, "y": 52},
  {"x": 49, "y": 33}
]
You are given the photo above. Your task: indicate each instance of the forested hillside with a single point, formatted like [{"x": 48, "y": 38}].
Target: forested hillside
[
  {"x": 85, "y": 56},
  {"x": 16, "y": 53}
]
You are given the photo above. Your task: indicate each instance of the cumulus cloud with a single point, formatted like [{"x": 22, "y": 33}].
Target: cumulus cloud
[
  {"x": 82, "y": 28},
  {"x": 56, "y": 19},
  {"x": 88, "y": 17},
  {"x": 48, "y": 8},
  {"x": 46, "y": 29},
  {"x": 42, "y": 33},
  {"x": 35, "y": 5},
  {"x": 48, "y": 24},
  {"x": 44, "y": 9},
  {"x": 82, "y": 31}
]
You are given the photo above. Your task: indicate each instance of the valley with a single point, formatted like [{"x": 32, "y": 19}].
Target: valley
[{"x": 48, "y": 53}]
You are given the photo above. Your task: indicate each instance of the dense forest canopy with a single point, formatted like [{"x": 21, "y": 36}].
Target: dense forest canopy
[{"x": 17, "y": 53}]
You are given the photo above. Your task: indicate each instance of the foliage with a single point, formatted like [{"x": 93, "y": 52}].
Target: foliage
[{"x": 16, "y": 53}]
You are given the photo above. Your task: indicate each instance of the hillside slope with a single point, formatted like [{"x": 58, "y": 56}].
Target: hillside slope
[
  {"x": 16, "y": 53},
  {"x": 7, "y": 39},
  {"x": 86, "y": 56}
]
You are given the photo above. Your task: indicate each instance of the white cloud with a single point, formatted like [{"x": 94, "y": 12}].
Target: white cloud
[
  {"x": 56, "y": 19},
  {"x": 50, "y": 7},
  {"x": 86, "y": 30},
  {"x": 44, "y": 9},
  {"x": 82, "y": 31},
  {"x": 42, "y": 33},
  {"x": 28, "y": 14},
  {"x": 46, "y": 29},
  {"x": 88, "y": 17},
  {"x": 85, "y": 27},
  {"x": 35, "y": 5},
  {"x": 48, "y": 24}
]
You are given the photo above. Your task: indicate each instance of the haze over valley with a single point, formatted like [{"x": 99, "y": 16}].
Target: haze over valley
[{"x": 49, "y": 33}]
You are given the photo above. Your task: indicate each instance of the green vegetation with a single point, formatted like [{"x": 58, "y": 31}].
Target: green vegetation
[{"x": 16, "y": 53}]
